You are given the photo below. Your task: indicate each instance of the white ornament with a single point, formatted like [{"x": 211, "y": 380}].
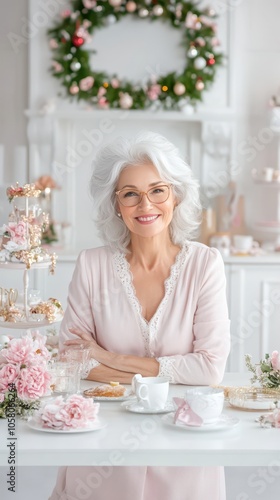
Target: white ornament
[
  {"x": 115, "y": 3},
  {"x": 179, "y": 88},
  {"x": 143, "y": 13},
  {"x": 126, "y": 100},
  {"x": 199, "y": 85},
  {"x": 192, "y": 52},
  {"x": 200, "y": 63},
  {"x": 111, "y": 19},
  {"x": 157, "y": 10},
  {"x": 75, "y": 65}
]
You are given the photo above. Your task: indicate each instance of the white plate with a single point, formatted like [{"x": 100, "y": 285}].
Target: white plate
[
  {"x": 136, "y": 407},
  {"x": 254, "y": 404},
  {"x": 95, "y": 426},
  {"x": 127, "y": 395},
  {"x": 223, "y": 423}
]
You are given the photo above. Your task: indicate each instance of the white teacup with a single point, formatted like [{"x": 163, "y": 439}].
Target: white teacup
[
  {"x": 244, "y": 243},
  {"x": 206, "y": 402},
  {"x": 151, "y": 392}
]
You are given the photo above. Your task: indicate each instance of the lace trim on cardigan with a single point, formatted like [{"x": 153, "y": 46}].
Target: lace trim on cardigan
[
  {"x": 166, "y": 367},
  {"x": 123, "y": 272},
  {"x": 92, "y": 363},
  {"x": 149, "y": 329}
]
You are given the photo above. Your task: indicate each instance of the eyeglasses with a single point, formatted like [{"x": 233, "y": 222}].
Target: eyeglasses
[{"x": 132, "y": 197}]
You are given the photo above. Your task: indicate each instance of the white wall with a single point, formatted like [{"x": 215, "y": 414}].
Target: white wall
[
  {"x": 254, "y": 77},
  {"x": 13, "y": 81}
]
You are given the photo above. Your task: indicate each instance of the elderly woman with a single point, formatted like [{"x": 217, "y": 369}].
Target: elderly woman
[{"x": 151, "y": 301}]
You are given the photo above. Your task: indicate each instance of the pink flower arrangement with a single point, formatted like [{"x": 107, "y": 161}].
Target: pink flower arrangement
[
  {"x": 76, "y": 412},
  {"x": 24, "y": 372},
  {"x": 267, "y": 372},
  {"x": 275, "y": 360}
]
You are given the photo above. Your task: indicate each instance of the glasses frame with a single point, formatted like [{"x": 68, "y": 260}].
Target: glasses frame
[{"x": 146, "y": 193}]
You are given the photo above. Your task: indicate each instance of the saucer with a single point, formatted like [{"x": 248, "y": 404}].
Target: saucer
[
  {"x": 136, "y": 407},
  {"x": 224, "y": 422}
]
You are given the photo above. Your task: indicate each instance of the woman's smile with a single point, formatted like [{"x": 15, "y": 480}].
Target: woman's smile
[{"x": 147, "y": 219}]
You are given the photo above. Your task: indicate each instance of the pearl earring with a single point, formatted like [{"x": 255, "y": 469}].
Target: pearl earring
[{"x": 119, "y": 214}]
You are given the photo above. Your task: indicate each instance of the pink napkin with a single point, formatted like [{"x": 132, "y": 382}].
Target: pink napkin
[{"x": 185, "y": 415}]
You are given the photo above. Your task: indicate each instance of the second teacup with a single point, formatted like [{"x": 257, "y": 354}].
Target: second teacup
[
  {"x": 151, "y": 392},
  {"x": 206, "y": 402}
]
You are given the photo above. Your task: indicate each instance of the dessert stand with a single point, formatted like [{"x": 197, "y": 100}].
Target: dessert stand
[{"x": 31, "y": 258}]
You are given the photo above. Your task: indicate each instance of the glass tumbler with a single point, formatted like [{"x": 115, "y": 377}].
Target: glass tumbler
[
  {"x": 80, "y": 356},
  {"x": 65, "y": 377}
]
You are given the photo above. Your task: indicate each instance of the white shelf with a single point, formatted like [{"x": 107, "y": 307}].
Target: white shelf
[
  {"x": 272, "y": 184},
  {"x": 269, "y": 229},
  {"x": 203, "y": 114},
  {"x": 21, "y": 266},
  {"x": 24, "y": 325}
]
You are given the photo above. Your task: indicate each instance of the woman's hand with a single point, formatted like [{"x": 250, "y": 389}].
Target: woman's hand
[
  {"x": 148, "y": 367},
  {"x": 85, "y": 340}
]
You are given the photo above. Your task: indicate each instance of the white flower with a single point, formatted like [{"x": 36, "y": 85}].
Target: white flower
[{"x": 126, "y": 100}]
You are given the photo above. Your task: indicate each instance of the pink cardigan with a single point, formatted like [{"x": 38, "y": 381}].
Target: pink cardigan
[
  {"x": 189, "y": 335},
  {"x": 190, "y": 332}
]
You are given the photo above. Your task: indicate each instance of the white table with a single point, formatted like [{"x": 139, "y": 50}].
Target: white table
[{"x": 136, "y": 439}]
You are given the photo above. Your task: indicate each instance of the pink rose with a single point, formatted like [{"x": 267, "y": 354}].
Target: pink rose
[
  {"x": 86, "y": 83},
  {"x": 65, "y": 13},
  {"x": 49, "y": 415},
  {"x": 275, "y": 360},
  {"x": 40, "y": 351},
  {"x": 78, "y": 411},
  {"x": 115, "y": 83},
  {"x": 33, "y": 382},
  {"x": 101, "y": 92},
  {"x": 17, "y": 232},
  {"x": 75, "y": 412},
  {"x": 19, "y": 351},
  {"x": 56, "y": 66},
  {"x": 8, "y": 375},
  {"x": 53, "y": 43},
  {"x": 103, "y": 103},
  {"x": 276, "y": 417},
  {"x": 89, "y": 4},
  {"x": 153, "y": 92}
]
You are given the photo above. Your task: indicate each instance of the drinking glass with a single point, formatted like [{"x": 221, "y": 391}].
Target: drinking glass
[
  {"x": 80, "y": 356},
  {"x": 65, "y": 377}
]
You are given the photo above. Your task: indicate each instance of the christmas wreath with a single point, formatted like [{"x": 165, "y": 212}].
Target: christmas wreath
[{"x": 71, "y": 59}]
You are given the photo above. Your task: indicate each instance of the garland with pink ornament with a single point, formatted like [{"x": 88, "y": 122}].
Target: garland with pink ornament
[{"x": 69, "y": 38}]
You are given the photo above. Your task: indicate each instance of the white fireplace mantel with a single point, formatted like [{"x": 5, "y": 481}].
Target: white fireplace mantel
[{"x": 63, "y": 144}]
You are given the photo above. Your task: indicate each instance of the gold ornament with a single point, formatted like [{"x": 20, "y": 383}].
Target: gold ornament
[{"x": 28, "y": 191}]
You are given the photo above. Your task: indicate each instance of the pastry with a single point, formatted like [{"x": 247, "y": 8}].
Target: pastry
[{"x": 112, "y": 390}]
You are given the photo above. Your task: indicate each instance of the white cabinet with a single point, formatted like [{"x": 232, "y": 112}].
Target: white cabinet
[{"x": 254, "y": 307}]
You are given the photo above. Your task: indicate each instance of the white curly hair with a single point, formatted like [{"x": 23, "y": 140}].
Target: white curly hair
[{"x": 146, "y": 147}]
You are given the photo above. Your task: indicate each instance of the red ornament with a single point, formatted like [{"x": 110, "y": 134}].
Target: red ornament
[
  {"x": 211, "y": 61},
  {"x": 77, "y": 40}
]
